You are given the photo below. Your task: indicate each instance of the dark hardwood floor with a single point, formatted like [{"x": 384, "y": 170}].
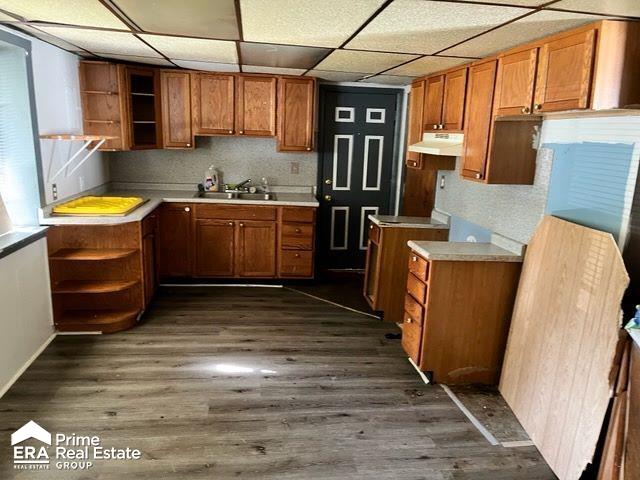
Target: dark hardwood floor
[{"x": 253, "y": 383}]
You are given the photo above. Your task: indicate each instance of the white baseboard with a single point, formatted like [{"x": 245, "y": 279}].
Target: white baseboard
[{"x": 22, "y": 369}]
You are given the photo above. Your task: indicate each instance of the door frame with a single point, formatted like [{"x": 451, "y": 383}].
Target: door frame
[{"x": 399, "y": 92}]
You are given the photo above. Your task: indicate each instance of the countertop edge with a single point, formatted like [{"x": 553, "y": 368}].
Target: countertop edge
[
  {"x": 25, "y": 237},
  {"x": 507, "y": 257}
]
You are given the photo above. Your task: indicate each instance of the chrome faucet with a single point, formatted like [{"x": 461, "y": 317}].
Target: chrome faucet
[{"x": 243, "y": 183}]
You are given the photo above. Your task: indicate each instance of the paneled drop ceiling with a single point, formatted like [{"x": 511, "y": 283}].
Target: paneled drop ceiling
[{"x": 378, "y": 41}]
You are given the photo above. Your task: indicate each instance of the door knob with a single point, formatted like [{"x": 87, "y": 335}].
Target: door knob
[
  {"x": 328, "y": 181},
  {"x": 328, "y": 198}
]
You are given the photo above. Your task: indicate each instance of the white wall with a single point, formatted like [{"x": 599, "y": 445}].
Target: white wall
[
  {"x": 25, "y": 316},
  {"x": 59, "y": 110}
]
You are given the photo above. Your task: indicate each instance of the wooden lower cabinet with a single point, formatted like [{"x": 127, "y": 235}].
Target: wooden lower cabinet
[
  {"x": 149, "y": 251},
  {"x": 457, "y": 316},
  {"x": 256, "y": 248},
  {"x": 207, "y": 240},
  {"x": 214, "y": 248},
  {"x": 386, "y": 267}
]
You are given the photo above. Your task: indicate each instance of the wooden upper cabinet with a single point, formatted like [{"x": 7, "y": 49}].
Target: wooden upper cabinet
[
  {"x": 176, "y": 109},
  {"x": 515, "y": 83},
  {"x": 564, "y": 72},
  {"x": 256, "y": 105},
  {"x": 104, "y": 103},
  {"x": 415, "y": 124},
  {"x": 143, "y": 85},
  {"x": 256, "y": 248},
  {"x": 478, "y": 119},
  {"x": 213, "y": 103},
  {"x": 296, "y": 100},
  {"x": 433, "y": 98},
  {"x": 214, "y": 248},
  {"x": 455, "y": 85}
]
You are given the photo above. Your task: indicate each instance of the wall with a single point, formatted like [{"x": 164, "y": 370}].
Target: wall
[
  {"x": 26, "y": 313},
  {"x": 237, "y": 158},
  {"x": 515, "y": 210},
  {"x": 59, "y": 110}
]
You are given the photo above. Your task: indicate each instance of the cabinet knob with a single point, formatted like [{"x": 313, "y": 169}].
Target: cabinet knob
[
  {"x": 415, "y": 164},
  {"x": 242, "y": 224},
  {"x": 308, "y": 149},
  {"x": 435, "y": 127},
  {"x": 241, "y": 132},
  {"x": 297, "y": 255},
  {"x": 370, "y": 227},
  {"x": 298, "y": 230},
  {"x": 537, "y": 106},
  {"x": 188, "y": 144},
  {"x": 187, "y": 209},
  {"x": 414, "y": 259},
  {"x": 230, "y": 131},
  {"x": 440, "y": 127},
  {"x": 525, "y": 110},
  {"x": 408, "y": 320},
  {"x": 478, "y": 175},
  {"x": 231, "y": 224}
]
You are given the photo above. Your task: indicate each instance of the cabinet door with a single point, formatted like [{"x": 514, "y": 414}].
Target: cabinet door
[
  {"x": 256, "y": 106},
  {"x": 478, "y": 119},
  {"x": 433, "y": 98},
  {"x": 174, "y": 245},
  {"x": 213, "y": 103},
  {"x": 564, "y": 73},
  {"x": 412, "y": 337},
  {"x": 455, "y": 87},
  {"x": 176, "y": 109},
  {"x": 515, "y": 81},
  {"x": 145, "y": 108},
  {"x": 256, "y": 248},
  {"x": 214, "y": 249},
  {"x": 149, "y": 260},
  {"x": 414, "y": 127},
  {"x": 295, "y": 114}
]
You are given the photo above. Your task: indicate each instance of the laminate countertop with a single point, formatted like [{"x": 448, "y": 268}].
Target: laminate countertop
[
  {"x": 391, "y": 221},
  {"x": 463, "y": 251},
  {"x": 153, "y": 198}
]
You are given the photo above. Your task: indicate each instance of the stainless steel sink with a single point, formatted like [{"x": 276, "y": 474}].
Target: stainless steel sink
[{"x": 237, "y": 195}]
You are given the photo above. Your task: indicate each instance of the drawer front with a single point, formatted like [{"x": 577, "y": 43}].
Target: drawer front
[
  {"x": 298, "y": 214},
  {"x": 374, "y": 233},
  {"x": 296, "y": 264},
  {"x": 297, "y": 236},
  {"x": 413, "y": 308},
  {"x": 416, "y": 288},
  {"x": 419, "y": 266},
  {"x": 414, "y": 163},
  {"x": 235, "y": 212},
  {"x": 412, "y": 338}
]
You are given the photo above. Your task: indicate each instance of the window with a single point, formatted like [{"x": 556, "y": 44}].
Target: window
[{"x": 19, "y": 184}]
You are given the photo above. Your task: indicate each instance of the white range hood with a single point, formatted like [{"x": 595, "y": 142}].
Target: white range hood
[{"x": 439, "y": 144}]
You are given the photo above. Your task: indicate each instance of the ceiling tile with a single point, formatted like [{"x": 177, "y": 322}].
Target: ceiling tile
[
  {"x": 326, "y": 23},
  {"x": 6, "y": 18},
  {"x": 196, "y": 49},
  {"x": 628, "y": 8},
  {"x": 534, "y": 26},
  {"x": 421, "y": 26},
  {"x": 427, "y": 65},
  {"x": 208, "y": 66},
  {"x": 273, "y": 70},
  {"x": 389, "y": 80},
  {"x": 101, "y": 41},
  {"x": 285, "y": 56},
  {"x": 88, "y": 13},
  {"x": 138, "y": 59},
  {"x": 358, "y": 61},
  {"x": 58, "y": 42},
  {"x": 195, "y": 18},
  {"x": 336, "y": 76}
]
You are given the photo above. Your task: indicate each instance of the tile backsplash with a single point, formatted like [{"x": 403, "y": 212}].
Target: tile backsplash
[{"x": 236, "y": 158}]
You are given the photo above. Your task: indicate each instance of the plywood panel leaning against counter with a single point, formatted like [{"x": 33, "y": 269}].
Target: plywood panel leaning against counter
[{"x": 563, "y": 339}]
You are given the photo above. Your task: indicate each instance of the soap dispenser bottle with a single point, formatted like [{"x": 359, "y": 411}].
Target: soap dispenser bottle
[{"x": 211, "y": 179}]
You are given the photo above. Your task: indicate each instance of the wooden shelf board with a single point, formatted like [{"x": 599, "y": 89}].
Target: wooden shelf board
[
  {"x": 93, "y": 286},
  {"x": 106, "y": 321},
  {"x": 91, "y": 254},
  {"x": 99, "y": 92}
]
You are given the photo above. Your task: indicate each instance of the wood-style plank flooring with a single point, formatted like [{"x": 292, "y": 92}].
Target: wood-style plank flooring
[{"x": 326, "y": 397}]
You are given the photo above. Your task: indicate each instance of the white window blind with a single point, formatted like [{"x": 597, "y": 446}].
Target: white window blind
[{"x": 18, "y": 171}]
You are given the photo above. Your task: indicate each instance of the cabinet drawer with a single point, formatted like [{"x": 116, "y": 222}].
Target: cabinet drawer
[
  {"x": 374, "y": 233},
  {"x": 297, "y": 236},
  {"x": 418, "y": 266},
  {"x": 235, "y": 212},
  {"x": 412, "y": 338},
  {"x": 413, "y": 308},
  {"x": 296, "y": 264},
  {"x": 414, "y": 162},
  {"x": 298, "y": 214},
  {"x": 416, "y": 288}
]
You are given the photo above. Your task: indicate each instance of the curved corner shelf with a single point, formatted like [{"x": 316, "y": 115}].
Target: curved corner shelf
[
  {"x": 105, "y": 321},
  {"x": 92, "y": 254},
  {"x": 93, "y": 286}
]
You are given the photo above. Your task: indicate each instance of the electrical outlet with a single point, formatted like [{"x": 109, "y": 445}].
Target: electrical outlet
[
  {"x": 54, "y": 191},
  {"x": 295, "y": 168},
  {"x": 81, "y": 183},
  {"x": 442, "y": 182}
]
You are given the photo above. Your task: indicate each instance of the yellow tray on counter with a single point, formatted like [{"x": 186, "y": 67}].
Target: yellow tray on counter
[{"x": 98, "y": 206}]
